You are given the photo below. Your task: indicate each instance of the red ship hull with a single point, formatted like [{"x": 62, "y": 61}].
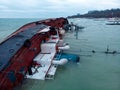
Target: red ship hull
[{"x": 18, "y": 65}]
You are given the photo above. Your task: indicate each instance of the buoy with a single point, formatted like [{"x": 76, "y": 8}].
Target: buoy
[
  {"x": 62, "y": 31},
  {"x": 60, "y": 62},
  {"x": 66, "y": 47}
]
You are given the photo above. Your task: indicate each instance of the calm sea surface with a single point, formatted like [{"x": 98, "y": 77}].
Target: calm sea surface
[{"x": 96, "y": 71}]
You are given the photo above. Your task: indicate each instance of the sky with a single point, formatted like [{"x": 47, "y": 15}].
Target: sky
[{"x": 52, "y": 8}]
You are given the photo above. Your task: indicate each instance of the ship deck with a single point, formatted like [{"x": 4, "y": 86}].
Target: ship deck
[{"x": 46, "y": 70}]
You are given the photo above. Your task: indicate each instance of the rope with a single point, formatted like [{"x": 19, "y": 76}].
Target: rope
[{"x": 93, "y": 51}]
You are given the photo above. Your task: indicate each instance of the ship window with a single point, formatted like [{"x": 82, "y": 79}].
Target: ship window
[
  {"x": 27, "y": 43},
  {"x": 43, "y": 41}
]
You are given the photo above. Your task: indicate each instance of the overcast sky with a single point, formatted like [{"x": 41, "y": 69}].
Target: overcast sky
[{"x": 52, "y": 8}]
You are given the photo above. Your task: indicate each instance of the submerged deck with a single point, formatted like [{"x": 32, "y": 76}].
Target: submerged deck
[{"x": 46, "y": 70}]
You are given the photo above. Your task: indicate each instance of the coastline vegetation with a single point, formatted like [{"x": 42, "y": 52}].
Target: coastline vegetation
[{"x": 109, "y": 13}]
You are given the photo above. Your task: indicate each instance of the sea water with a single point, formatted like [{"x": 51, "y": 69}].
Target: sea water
[
  {"x": 9, "y": 25},
  {"x": 95, "y": 71}
]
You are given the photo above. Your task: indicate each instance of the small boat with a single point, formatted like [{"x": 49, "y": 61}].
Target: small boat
[
  {"x": 113, "y": 21},
  {"x": 31, "y": 52}
]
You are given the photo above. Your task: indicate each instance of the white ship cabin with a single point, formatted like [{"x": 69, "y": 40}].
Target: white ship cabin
[{"x": 46, "y": 63}]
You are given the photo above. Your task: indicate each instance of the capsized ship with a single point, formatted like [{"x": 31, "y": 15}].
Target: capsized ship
[{"x": 33, "y": 51}]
